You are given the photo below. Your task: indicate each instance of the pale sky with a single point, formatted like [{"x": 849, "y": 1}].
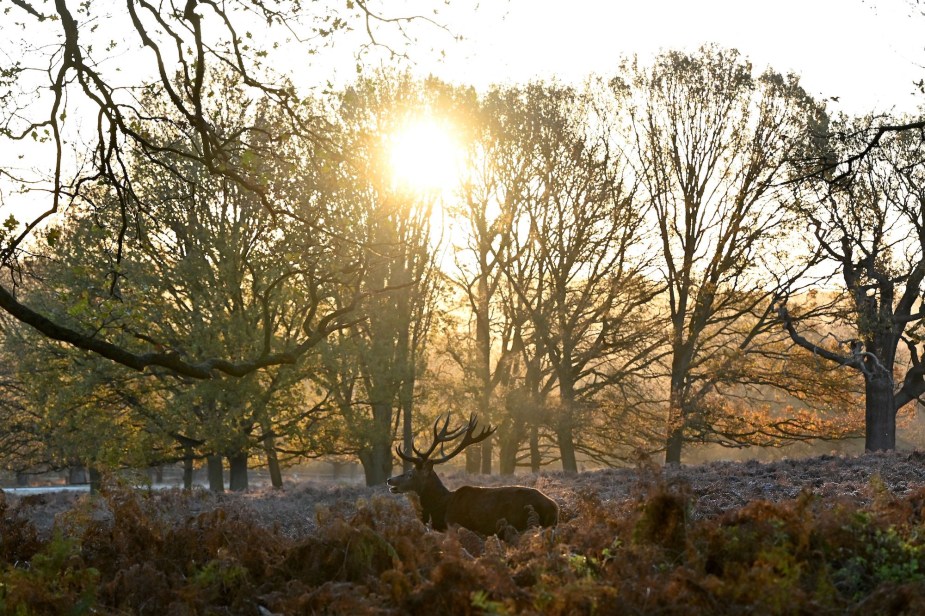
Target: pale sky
[{"x": 867, "y": 53}]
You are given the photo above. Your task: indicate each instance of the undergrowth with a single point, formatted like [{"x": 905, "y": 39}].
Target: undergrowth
[{"x": 121, "y": 554}]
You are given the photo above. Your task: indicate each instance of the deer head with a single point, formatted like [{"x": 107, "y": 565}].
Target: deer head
[{"x": 421, "y": 476}]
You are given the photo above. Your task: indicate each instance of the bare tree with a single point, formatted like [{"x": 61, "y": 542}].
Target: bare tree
[
  {"x": 869, "y": 224},
  {"x": 709, "y": 142},
  {"x": 576, "y": 273}
]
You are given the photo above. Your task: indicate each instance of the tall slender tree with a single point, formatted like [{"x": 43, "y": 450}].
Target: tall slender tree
[
  {"x": 392, "y": 227},
  {"x": 710, "y": 141}
]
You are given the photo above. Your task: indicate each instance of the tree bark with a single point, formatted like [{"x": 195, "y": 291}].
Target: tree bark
[
  {"x": 483, "y": 364},
  {"x": 377, "y": 464},
  {"x": 880, "y": 414},
  {"x": 674, "y": 442},
  {"x": 407, "y": 433},
  {"x": 76, "y": 475},
  {"x": 567, "y": 446},
  {"x": 565, "y": 433},
  {"x": 377, "y": 457},
  {"x": 507, "y": 462},
  {"x": 215, "y": 472},
  {"x": 96, "y": 480},
  {"x": 674, "y": 445},
  {"x": 238, "y": 471},
  {"x": 276, "y": 473},
  {"x": 188, "y": 468},
  {"x": 474, "y": 459},
  {"x": 535, "y": 457},
  {"x": 508, "y": 446}
]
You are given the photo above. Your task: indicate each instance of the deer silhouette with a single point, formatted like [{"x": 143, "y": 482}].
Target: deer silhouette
[{"x": 487, "y": 511}]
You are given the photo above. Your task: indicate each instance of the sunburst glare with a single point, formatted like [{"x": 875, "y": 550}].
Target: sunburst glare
[{"x": 424, "y": 155}]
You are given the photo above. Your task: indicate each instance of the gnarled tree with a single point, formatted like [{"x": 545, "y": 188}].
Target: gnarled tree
[{"x": 868, "y": 219}]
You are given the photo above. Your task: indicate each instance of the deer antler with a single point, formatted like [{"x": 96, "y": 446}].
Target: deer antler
[{"x": 443, "y": 435}]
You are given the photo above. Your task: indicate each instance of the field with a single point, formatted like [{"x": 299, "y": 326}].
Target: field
[{"x": 827, "y": 535}]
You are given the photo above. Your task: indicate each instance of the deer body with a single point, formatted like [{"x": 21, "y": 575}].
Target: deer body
[{"x": 483, "y": 510}]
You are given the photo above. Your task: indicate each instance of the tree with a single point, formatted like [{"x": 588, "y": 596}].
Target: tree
[
  {"x": 575, "y": 275},
  {"x": 174, "y": 51},
  {"x": 372, "y": 370},
  {"x": 208, "y": 269},
  {"x": 868, "y": 219},
  {"x": 67, "y": 410},
  {"x": 485, "y": 206},
  {"x": 710, "y": 143}
]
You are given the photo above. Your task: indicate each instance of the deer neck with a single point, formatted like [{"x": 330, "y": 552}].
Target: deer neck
[{"x": 434, "y": 494}]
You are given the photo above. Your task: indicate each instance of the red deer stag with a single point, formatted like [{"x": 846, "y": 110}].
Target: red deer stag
[{"x": 483, "y": 510}]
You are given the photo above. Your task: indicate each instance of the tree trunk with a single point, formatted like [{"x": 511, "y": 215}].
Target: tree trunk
[
  {"x": 406, "y": 404},
  {"x": 96, "y": 480},
  {"x": 215, "y": 472},
  {"x": 377, "y": 457},
  {"x": 486, "y": 455},
  {"x": 276, "y": 474},
  {"x": 188, "y": 468},
  {"x": 567, "y": 446},
  {"x": 76, "y": 475},
  {"x": 535, "y": 458},
  {"x": 880, "y": 414},
  {"x": 474, "y": 459},
  {"x": 507, "y": 452},
  {"x": 377, "y": 464},
  {"x": 238, "y": 471},
  {"x": 565, "y": 428},
  {"x": 675, "y": 439},
  {"x": 483, "y": 358}
]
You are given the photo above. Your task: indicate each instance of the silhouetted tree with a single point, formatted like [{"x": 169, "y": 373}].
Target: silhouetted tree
[
  {"x": 867, "y": 216},
  {"x": 109, "y": 93},
  {"x": 709, "y": 142}
]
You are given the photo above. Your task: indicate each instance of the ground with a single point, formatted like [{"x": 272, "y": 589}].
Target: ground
[
  {"x": 714, "y": 488},
  {"x": 821, "y": 535}
]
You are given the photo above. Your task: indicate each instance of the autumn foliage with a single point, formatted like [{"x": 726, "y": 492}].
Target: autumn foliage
[{"x": 654, "y": 552}]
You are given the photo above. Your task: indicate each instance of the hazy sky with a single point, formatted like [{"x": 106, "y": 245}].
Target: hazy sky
[{"x": 866, "y": 53}]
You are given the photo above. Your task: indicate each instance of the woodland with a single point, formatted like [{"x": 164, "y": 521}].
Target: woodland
[
  {"x": 224, "y": 268},
  {"x": 209, "y": 259}
]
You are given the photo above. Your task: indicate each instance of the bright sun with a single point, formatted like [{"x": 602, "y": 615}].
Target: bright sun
[{"x": 424, "y": 155}]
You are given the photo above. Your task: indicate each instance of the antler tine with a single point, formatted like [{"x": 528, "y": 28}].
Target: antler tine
[
  {"x": 441, "y": 434},
  {"x": 404, "y": 456},
  {"x": 468, "y": 439}
]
